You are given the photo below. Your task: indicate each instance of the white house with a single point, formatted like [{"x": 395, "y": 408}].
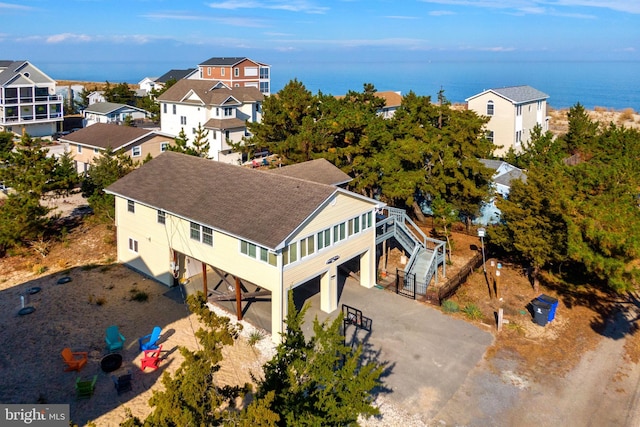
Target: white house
[
  {"x": 249, "y": 226},
  {"x": 28, "y": 100},
  {"x": 111, "y": 112},
  {"x": 221, "y": 110},
  {"x": 96, "y": 96},
  {"x": 501, "y": 182},
  {"x": 513, "y": 111}
]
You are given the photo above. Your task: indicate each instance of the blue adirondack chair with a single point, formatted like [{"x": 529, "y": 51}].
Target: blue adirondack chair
[
  {"x": 150, "y": 342},
  {"x": 114, "y": 339}
]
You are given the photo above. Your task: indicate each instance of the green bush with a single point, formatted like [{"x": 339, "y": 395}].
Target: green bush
[
  {"x": 472, "y": 312},
  {"x": 450, "y": 306}
]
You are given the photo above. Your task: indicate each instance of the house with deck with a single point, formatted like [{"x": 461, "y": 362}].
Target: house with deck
[
  {"x": 180, "y": 215},
  {"x": 221, "y": 110},
  {"x": 28, "y": 100},
  {"x": 513, "y": 112},
  {"x": 87, "y": 144}
]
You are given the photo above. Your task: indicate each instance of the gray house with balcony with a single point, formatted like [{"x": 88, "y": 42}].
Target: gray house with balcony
[{"x": 28, "y": 100}]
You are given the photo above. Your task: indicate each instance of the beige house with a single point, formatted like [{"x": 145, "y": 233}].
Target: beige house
[
  {"x": 86, "y": 144},
  {"x": 180, "y": 215},
  {"x": 514, "y": 111}
]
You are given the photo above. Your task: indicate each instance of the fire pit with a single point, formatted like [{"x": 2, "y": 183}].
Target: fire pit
[{"x": 111, "y": 362}]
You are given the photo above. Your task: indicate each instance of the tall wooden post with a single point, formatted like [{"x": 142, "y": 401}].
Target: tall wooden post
[
  {"x": 204, "y": 282},
  {"x": 238, "y": 299}
]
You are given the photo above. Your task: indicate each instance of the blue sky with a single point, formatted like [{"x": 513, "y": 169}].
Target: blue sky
[{"x": 188, "y": 32}]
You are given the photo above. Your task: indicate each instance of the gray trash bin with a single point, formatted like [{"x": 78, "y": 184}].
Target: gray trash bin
[{"x": 540, "y": 312}]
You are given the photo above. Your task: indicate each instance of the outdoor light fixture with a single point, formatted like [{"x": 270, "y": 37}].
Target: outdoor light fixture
[
  {"x": 481, "y": 232},
  {"x": 333, "y": 259}
]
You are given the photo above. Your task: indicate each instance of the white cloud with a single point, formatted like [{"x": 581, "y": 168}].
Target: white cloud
[
  {"x": 406, "y": 43},
  {"x": 11, "y": 6},
  {"x": 229, "y": 20},
  {"x": 291, "y": 6},
  {"x": 529, "y": 6},
  {"x": 441, "y": 13},
  {"x": 68, "y": 37}
]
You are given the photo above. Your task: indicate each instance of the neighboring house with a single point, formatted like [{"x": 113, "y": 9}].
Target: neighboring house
[
  {"x": 514, "y": 111},
  {"x": 501, "y": 182},
  {"x": 221, "y": 110},
  {"x": 28, "y": 100},
  {"x": 250, "y": 226},
  {"x": 96, "y": 96},
  {"x": 89, "y": 143},
  {"x": 318, "y": 170},
  {"x": 111, "y": 112},
  {"x": 147, "y": 84},
  {"x": 237, "y": 72},
  {"x": 392, "y": 100}
]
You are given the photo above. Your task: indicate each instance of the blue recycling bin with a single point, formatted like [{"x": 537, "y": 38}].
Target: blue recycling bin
[{"x": 553, "y": 303}]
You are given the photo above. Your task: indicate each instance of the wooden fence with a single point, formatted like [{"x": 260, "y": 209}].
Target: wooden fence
[{"x": 436, "y": 295}]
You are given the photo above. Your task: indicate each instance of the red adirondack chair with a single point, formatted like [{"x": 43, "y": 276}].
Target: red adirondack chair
[{"x": 150, "y": 359}]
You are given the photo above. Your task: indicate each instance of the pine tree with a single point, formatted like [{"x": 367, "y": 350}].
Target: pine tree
[{"x": 320, "y": 381}]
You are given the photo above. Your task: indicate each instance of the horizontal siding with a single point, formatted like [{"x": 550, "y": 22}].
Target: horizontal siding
[
  {"x": 344, "y": 208},
  {"x": 156, "y": 241},
  {"x": 312, "y": 266}
]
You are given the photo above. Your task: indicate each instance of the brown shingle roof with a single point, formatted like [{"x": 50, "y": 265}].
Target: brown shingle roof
[
  {"x": 225, "y": 124},
  {"x": 104, "y": 135},
  {"x": 318, "y": 170},
  {"x": 257, "y": 206},
  {"x": 209, "y": 93}
]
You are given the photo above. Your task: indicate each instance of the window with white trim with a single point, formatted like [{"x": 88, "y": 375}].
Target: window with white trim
[
  {"x": 518, "y": 110},
  {"x": 174, "y": 109},
  {"x": 339, "y": 232},
  {"x": 236, "y": 72},
  {"x": 133, "y": 245},
  {"x": 79, "y": 148},
  {"x": 136, "y": 151},
  {"x": 183, "y": 120},
  {"x": 164, "y": 108},
  {"x": 490, "y": 108},
  {"x": 161, "y": 217},
  {"x": 518, "y": 136},
  {"x": 222, "y": 71},
  {"x": 131, "y": 207},
  {"x": 307, "y": 246},
  {"x": 258, "y": 252},
  {"x": 96, "y": 151},
  {"x": 290, "y": 253},
  {"x": 207, "y": 236},
  {"x": 194, "y": 231},
  {"x": 228, "y": 111},
  {"x": 490, "y": 135},
  {"x": 324, "y": 238},
  {"x": 164, "y": 146}
]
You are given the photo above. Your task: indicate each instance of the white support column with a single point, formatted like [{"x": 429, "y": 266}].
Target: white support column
[
  {"x": 367, "y": 269},
  {"x": 279, "y": 307},
  {"x": 329, "y": 290}
]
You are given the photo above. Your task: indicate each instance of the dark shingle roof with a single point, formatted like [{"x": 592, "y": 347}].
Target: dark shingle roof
[
  {"x": 318, "y": 170},
  {"x": 174, "y": 74},
  {"x": 257, "y": 206},
  {"x": 211, "y": 92},
  {"x": 224, "y": 60},
  {"x": 103, "y": 135}
]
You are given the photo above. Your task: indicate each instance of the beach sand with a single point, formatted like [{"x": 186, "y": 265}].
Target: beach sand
[{"x": 75, "y": 315}]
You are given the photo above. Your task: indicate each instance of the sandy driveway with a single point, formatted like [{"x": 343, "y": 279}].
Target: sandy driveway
[{"x": 602, "y": 390}]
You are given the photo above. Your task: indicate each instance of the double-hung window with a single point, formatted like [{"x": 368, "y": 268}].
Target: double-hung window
[
  {"x": 131, "y": 207},
  {"x": 194, "y": 232},
  {"x": 136, "y": 151},
  {"x": 324, "y": 239},
  {"x": 207, "y": 236},
  {"x": 133, "y": 245},
  {"x": 490, "y": 108},
  {"x": 161, "y": 217}
]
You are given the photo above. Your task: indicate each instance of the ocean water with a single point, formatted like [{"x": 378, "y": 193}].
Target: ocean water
[{"x": 611, "y": 84}]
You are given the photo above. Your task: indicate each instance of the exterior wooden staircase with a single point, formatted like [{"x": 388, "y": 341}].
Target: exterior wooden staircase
[{"x": 426, "y": 254}]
